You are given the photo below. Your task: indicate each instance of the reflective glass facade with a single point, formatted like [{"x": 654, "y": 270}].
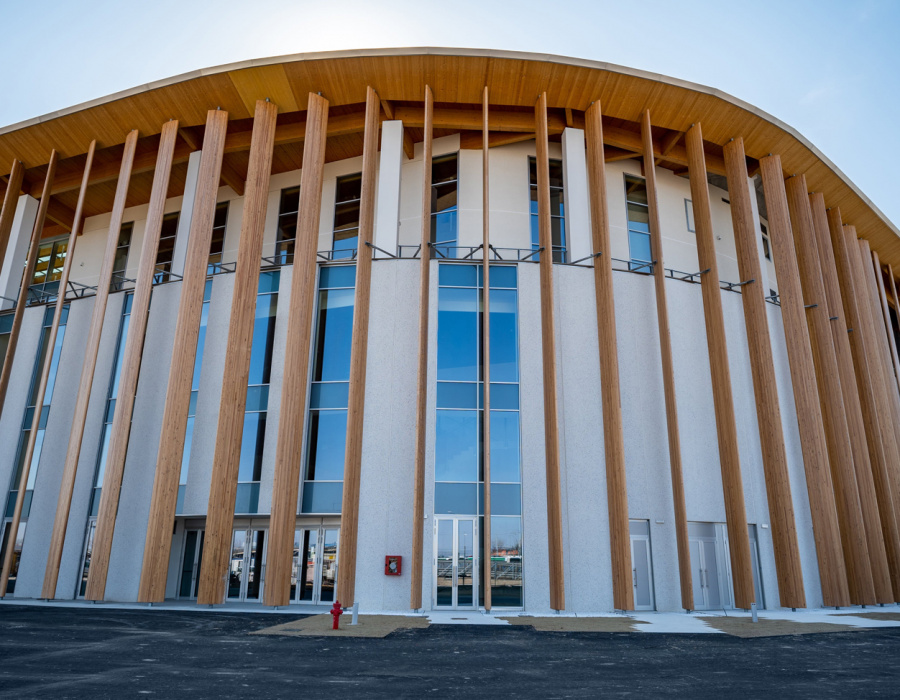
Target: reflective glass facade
[
  {"x": 444, "y": 209},
  {"x": 638, "y": 224},
  {"x": 326, "y": 435},
  {"x": 459, "y": 445},
  {"x": 346, "y": 216}
]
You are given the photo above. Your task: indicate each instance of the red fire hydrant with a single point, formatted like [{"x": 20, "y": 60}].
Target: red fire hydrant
[{"x": 336, "y": 612}]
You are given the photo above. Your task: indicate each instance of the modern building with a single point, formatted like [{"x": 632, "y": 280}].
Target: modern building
[{"x": 550, "y": 334}]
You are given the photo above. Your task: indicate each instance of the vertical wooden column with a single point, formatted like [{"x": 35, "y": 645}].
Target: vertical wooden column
[
  {"x": 837, "y": 435},
  {"x": 233, "y": 402},
  {"x": 853, "y": 489},
  {"x": 295, "y": 382},
  {"x": 548, "y": 344},
  {"x": 665, "y": 351},
  {"x": 871, "y": 285},
  {"x": 882, "y": 296},
  {"x": 882, "y": 445},
  {"x": 415, "y": 589},
  {"x": 726, "y": 430},
  {"x": 808, "y": 409},
  {"x": 27, "y": 275},
  {"x": 356, "y": 400},
  {"x": 762, "y": 366},
  {"x": 8, "y": 211},
  {"x": 486, "y": 343},
  {"x": 131, "y": 365},
  {"x": 86, "y": 382},
  {"x": 613, "y": 439},
  {"x": 11, "y": 352},
  {"x": 158, "y": 544}
]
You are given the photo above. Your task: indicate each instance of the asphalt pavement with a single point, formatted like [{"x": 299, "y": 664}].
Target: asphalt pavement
[{"x": 107, "y": 653}]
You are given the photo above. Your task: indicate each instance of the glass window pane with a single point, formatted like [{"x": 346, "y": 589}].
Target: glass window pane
[
  {"x": 505, "y": 447},
  {"x": 257, "y": 398},
  {"x": 346, "y": 216},
  {"x": 252, "y": 441},
  {"x": 504, "y": 336},
  {"x": 455, "y": 498},
  {"x": 443, "y": 198},
  {"x": 503, "y": 276},
  {"x": 329, "y": 395},
  {"x": 327, "y": 441},
  {"x": 334, "y": 331},
  {"x": 337, "y": 276},
  {"x": 556, "y": 173},
  {"x": 458, "y": 351},
  {"x": 322, "y": 497},
  {"x": 456, "y": 446},
  {"x": 639, "y": 243},
  {"x": 457, "y": 275},
  {"x": 638, "y": 217},
  {"x": 348, "y": 187},
  {"x": 263, "y": 338},
  {"x": 345, "y": 242},
  {"x": 246, "y": 498},
  {"x": 505, "y": 396},
  {"x": 635, "y": 189},
  {"x": 444, "y": 169},
  {"x": 506, "y": 499},
  {"x": 457, "y": 395},
  {"x": 104, "y": 452},
  {"x": 557, "y": 205},
  {"x": 506, "y": 562}
]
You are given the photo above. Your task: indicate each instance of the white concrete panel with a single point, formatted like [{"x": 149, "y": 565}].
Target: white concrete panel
[
  {"x": 17, "y": 250},
  {"x": 577, "y": 205},
  {"x": 187, "y": 210},
  {"x": 387, "y": 222}
]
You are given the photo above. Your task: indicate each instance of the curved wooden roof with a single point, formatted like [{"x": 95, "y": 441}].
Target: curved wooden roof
[{"x": 457, "y": 77}]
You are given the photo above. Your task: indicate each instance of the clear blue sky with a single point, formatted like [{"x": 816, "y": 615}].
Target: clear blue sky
[{"x": 830, "y": 69}]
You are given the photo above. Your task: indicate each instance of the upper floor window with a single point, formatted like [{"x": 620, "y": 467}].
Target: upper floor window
[
  {"x": 444, "y": 188},
  {"x": 48, "y": 269},
  {"x": 217, "y": 243},
  {"x": 638, "y": 224},
  {"x": 286, "y": 236},
  {"x": 767, "y": 248},
  {"x": 120, "y": 263},
  {"x": 165, "y": 252},
  {"x": 557, "y": 209},
  {"x": 346, "y": 216}
]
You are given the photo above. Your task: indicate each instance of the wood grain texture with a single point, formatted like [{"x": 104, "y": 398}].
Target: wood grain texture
[
  {"x": 158, "y": 544},
  {"x": 881, "y": 441},
  {"x": 849, "y": 500},
  {"x": 762, "y": 368},
  {"x": 346, "y": 583},
  {"x": 131, "y": 366},
  {"x": 837, "y": 435},
  {"x": 418, "y": 524},
  {"x": 11, "y": 201},
  {"x": 13, "y": 340},
  {"x": 808, "y": 409},
  {"x": 668, "y": 370},
  {"x": 723, "y": 402},
  {"x": 548, "y": 345},
  {"x": 486, "y": 341},
  {"x": 868, "y": 500},
  {"x": 86, "y": 382},
  {"x": 295, "y": 380},
  {"x": 233, "y": 401},
  {"x": 888, "y": 326}
]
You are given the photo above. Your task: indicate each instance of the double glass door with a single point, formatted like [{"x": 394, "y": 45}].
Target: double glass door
[
  {"x": 190, "y": 563},
  {"x": 456, "y": 567},
  {"x": 247, "y": 569},
  {"x": 314, "y": 574}
]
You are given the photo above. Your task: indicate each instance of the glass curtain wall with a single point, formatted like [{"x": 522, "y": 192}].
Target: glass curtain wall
[
  {"x": 286, "y": 235},
  {"x": 43, "y": 349},
  {"x": 192, "y": 409},
  {"x": 557, "y": 210},
  {"x": 48, "y": 269},
  {"x": 253, "y": 440},
  {"x": 459, "y": 447},
  {"x": 120, "y": 262},
  {"x": 444, "y": 189},
  {"x": 165, "y": 252},
  {"x": 346, "y": 216},
  {"x": 327, "y": 423},
  {"x": 638, "y": 224},
  {"x": 217, "y": 243}
]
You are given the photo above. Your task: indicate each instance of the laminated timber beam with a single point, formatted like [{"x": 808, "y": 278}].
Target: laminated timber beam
[
  {"x": 232, "y": 404},
  {"x": 723, "y": 401},
  {"x": 808, "y": 409},
  {"x": 131, "y": 365},
  {"x": 418, "y": 533},
  {"x": 837, "y": 433},
  {"x": 346, "y": 583},
  {"x": 158, "y": 543},
  {"x": 548, "y": 346},
  {"x": 613, "y": 438},
  {"x": 668, "y": 370},
  {"x": 868, "y": 502},
  {"x": 884, "y": 453},
  {"x": 486, "y": 340},
  {"x": 10, "y": 201},
  {"x": 295, "y": 382},
  {"x": 12, "y": 342},
  {"x": 762, "y": 366},
  {"x": 86, "y": 382}
]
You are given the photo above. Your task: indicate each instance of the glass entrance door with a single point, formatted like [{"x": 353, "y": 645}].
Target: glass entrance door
[
  {"x": 246, "y": 571},
  {"x": 456, "y": 563},
  {"x": 190, "y": 563},
  {"x": 315, "y": 565}
]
